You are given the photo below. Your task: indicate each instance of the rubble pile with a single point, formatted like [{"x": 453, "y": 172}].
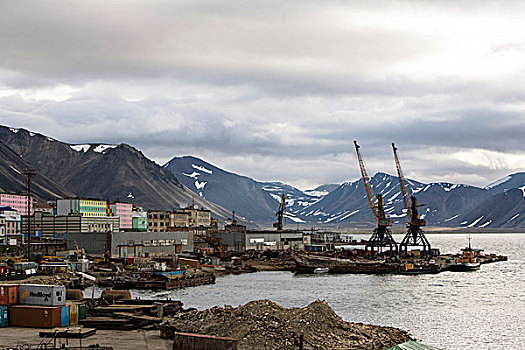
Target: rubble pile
[{"x": 263, "y": 324}]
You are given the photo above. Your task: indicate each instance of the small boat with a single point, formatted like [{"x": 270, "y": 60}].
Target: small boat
[
  {"x": 468, "y": 261},
  {"x": 321, "y": 270}
]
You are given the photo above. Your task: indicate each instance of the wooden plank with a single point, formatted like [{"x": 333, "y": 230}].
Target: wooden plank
[
  {"x": 138, "y": 317},
  {"x": 68, "y": 332}
]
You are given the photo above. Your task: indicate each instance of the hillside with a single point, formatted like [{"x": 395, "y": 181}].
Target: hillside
[
  {"x": 13, "y": 181},
  {"x": 112, "y": 172},
  {"x": 253, "y": 200}
]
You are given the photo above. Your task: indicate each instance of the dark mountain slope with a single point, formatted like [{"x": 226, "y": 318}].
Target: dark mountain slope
[
  {"x": 255, "y": 201},
  {"x": 12, "y": 180}
]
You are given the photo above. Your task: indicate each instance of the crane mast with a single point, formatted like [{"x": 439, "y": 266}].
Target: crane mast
[
  {"x": 414, "y": 236},
  {"x": 280, "y": 214},
  {"x": 382, "y": 237}
]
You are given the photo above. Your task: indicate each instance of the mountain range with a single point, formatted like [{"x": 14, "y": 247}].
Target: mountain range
[
  {"x": 110, "y": 172},
  {"x": 121, "y": 172}
]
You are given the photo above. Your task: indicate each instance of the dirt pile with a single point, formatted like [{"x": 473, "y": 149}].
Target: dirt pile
[{"x": 263, "y": 324}]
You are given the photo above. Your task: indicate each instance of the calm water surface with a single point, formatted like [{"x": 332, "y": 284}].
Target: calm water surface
[{"x": 483, "y": 309}]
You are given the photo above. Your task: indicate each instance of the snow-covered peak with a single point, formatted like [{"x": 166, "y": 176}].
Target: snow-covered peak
[{"x": 102, "y": 148}]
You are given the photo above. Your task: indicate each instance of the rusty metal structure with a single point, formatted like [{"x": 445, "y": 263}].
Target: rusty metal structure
[
  {"x": 382, "y": 236},
  {"x": 415, "y": 237},
  {"x": 280, "y": 214}
]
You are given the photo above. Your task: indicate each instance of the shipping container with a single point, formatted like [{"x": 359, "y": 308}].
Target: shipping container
[
  {"x": 3, "y": 316},
  {"x": 65, "y": 316},
  {"x": 82, "y": 311},
  {"x": 8, "y": 294},
  {"x": 41, "y": 295},
  {"x": 35, "y": 316},
  {"x": 73, "y": 313}
]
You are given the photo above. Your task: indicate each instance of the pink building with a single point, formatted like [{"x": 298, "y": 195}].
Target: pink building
[
  {"x": 16, "y": 202},
  {"x": 124, "y": 211}
]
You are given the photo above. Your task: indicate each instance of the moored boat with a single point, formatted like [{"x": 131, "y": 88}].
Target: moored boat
[
  {"x": 468, "y": 261},
  {"x": 322, "y": 270}
]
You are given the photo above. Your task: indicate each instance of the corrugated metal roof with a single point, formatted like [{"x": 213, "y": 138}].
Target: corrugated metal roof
[{"x": 412, "y": 345}]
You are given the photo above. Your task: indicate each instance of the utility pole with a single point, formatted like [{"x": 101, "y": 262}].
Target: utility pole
[{"x": 29, "y": 174}]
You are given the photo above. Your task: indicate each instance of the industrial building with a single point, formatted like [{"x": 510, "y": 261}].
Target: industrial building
[{"x": 132, "y": 244}]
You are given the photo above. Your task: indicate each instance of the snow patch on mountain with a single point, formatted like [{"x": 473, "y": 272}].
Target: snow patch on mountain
[
  {"x": 314, "y": 193},
  {"x": 15, "y": 170},
  {"x": 474, "y": 223},
  {"x": 194, "y": 175},
  {"x": 201, "y": 168},
  {"x": 102, "y": 148},
  {"x": 448, "y": 189},
  {"x": 13, "y": 130},
  {"x": 523, "y": 190},
  {"x": 451, "y": 218},
  {"x": 486, "y": 224},
  {"x": 293, "y": 218},
  {"x": 79, "y": 148},
  {"x": 498, "y": 182},
  {"x": 346, "y": 214},
  {"x": 514, "y": 217},
  {"x": 200, "y": 185},
  {"x": 276, "y": 197}
]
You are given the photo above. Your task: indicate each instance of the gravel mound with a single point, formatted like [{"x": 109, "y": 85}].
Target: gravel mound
[{"x": 263, "y": 324}]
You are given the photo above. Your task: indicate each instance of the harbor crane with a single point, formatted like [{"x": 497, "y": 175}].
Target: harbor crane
[
  {"x": 280, "y": 214},
  {"x": 382, "y": 236},
  {"x": 415, "y": 237}
]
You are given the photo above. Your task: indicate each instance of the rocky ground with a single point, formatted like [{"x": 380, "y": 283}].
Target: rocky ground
[{"x": 263, "y": 324}]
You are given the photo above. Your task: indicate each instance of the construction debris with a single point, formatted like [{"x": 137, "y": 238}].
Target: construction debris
[{"x": 264, "y": 324}]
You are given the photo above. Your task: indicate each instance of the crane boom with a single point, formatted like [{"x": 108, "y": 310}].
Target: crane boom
[
  {"x": 402, "y": 183},
  {"x": 366, "y": 182}
]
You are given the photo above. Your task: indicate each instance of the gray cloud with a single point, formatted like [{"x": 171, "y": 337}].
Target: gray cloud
[{"x": 275, "y": 91}]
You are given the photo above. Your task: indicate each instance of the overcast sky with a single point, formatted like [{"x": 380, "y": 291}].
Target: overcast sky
[{"x": 276, "y": 90}]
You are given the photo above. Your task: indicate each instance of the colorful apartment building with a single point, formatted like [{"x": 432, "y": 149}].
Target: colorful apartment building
[
  {"x": 139, "y": 221},
  {"x": 82, "y": 207},
  {"x": 124, "y": 211},
  {"x": 11, "y": 219},
  {"x": 17, "y": 202},
  {"x": 46, "y": 226}
]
